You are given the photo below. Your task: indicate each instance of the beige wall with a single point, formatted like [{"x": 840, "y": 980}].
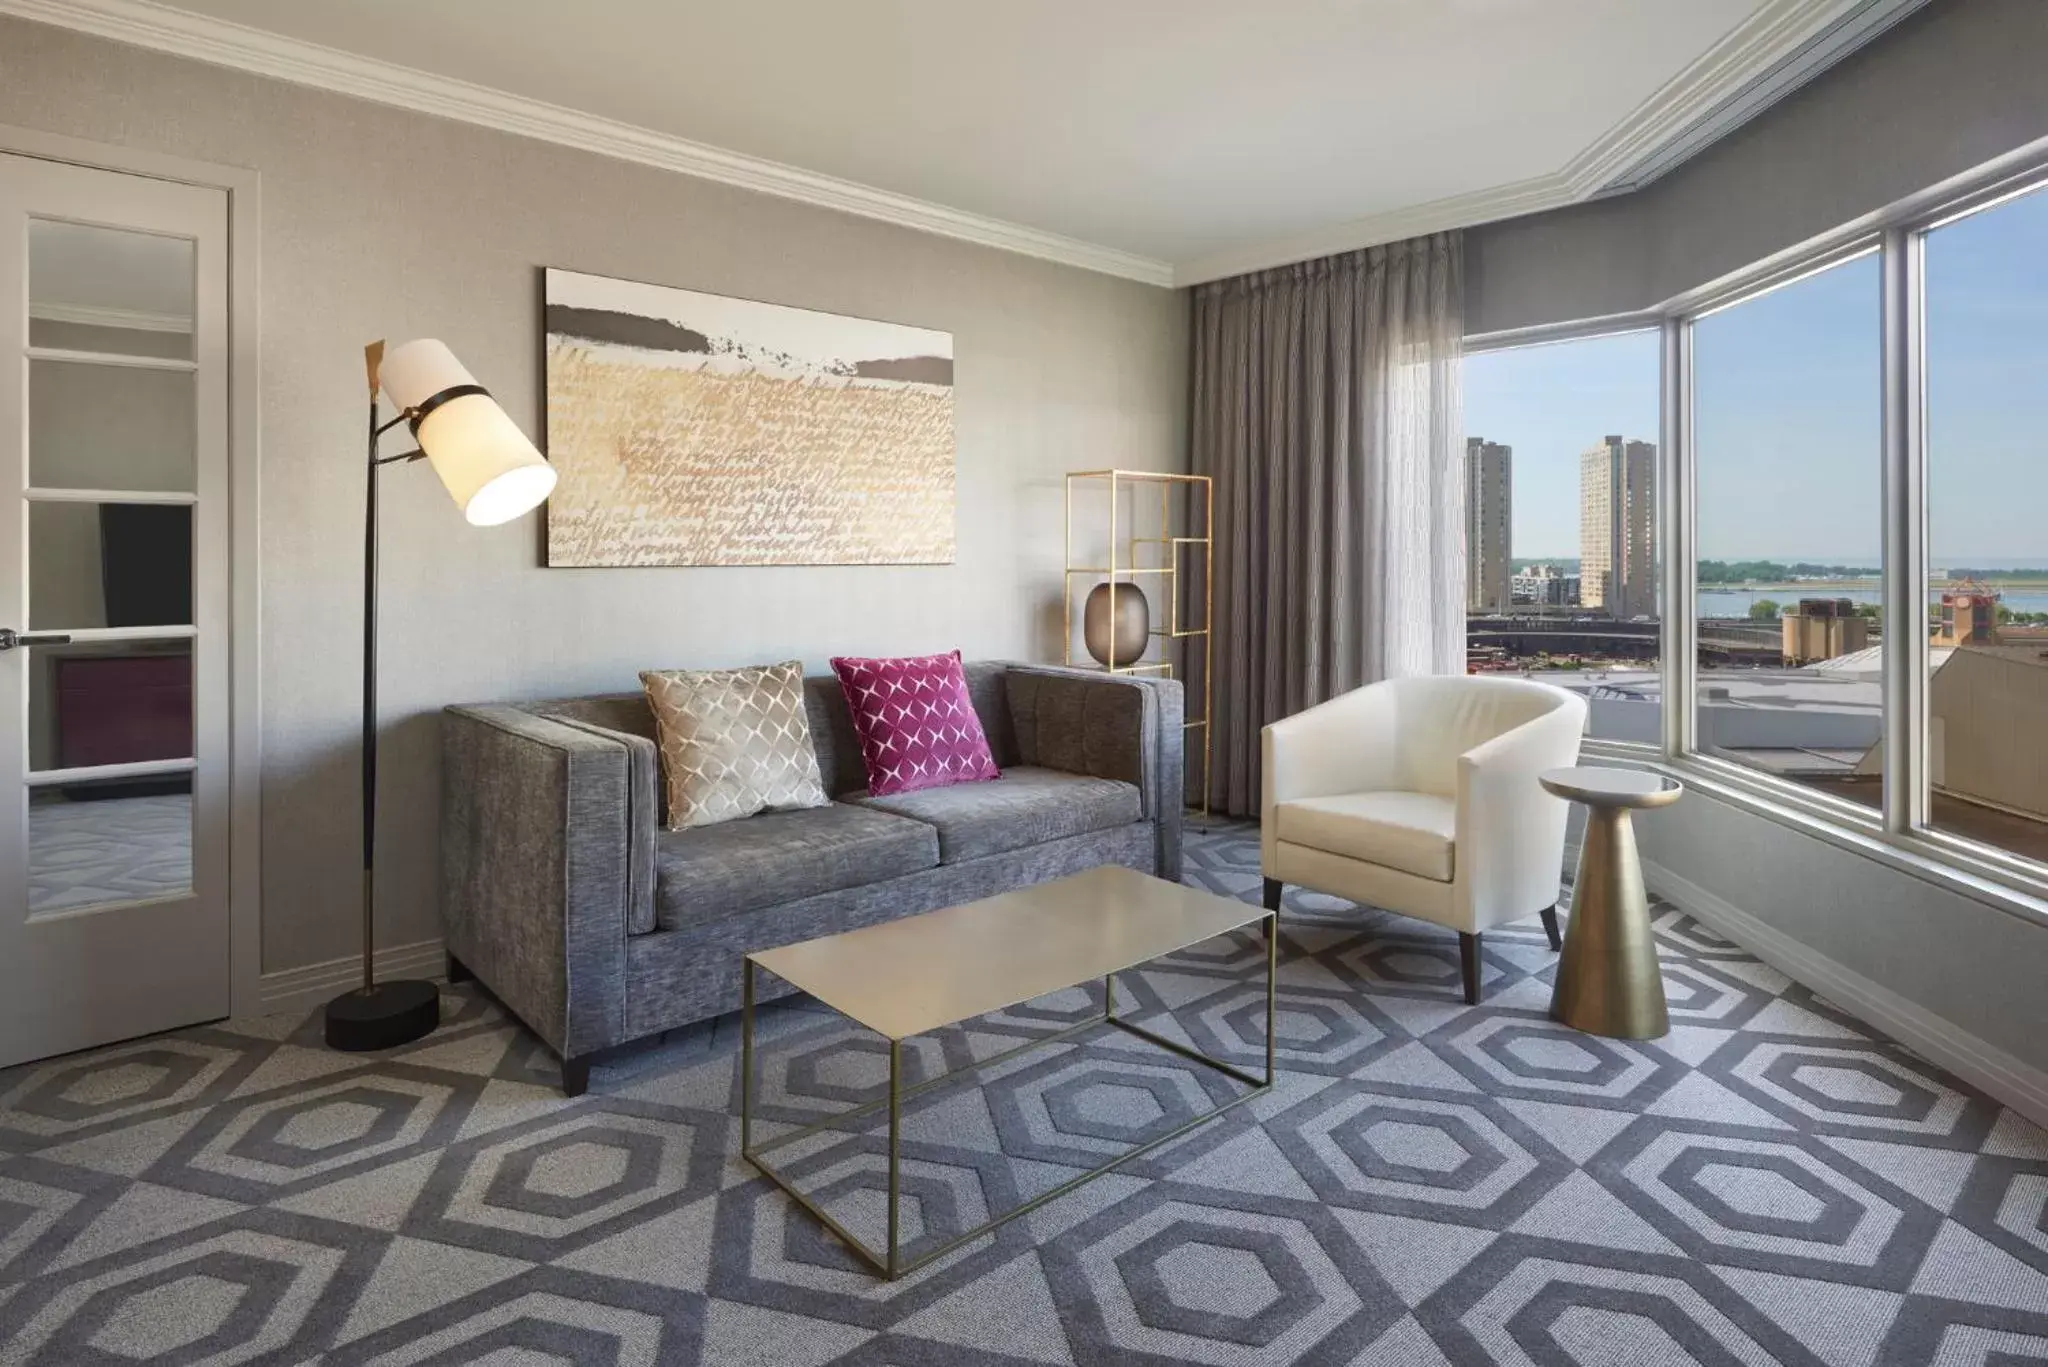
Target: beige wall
[{"x": 380, "y": 223}]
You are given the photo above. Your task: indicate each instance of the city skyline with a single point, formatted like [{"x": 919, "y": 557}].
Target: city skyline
[
  {"x": 1550, "y": 403},
  {"x": 1789, "y": 410}
]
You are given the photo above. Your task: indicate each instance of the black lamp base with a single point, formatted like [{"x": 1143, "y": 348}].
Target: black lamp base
[{"x": 384, "y": 1016}]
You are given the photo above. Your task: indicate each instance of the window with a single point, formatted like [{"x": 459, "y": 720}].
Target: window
[
  {"x": 1986, "y": 301},
  {"x": 1560, "y": 547},
  {"x": 1779, "y": 500},
  {"x": 1787, "y": 482}
]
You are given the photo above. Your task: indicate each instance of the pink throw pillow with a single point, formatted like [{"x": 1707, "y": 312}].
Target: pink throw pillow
[{"x": 915, "y": 722}]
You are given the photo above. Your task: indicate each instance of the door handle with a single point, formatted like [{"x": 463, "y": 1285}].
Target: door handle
[{"x": 10, "y": 638}]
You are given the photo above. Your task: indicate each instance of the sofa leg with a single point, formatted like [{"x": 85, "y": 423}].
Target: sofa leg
[
  {"x": 1549, "y": 915},
  {"x": 458, "y": 972},
  {"x": 1468, "y": 956},
  {"x": 575, "y": 1076},
  {"x": 1272, "y": 898}
]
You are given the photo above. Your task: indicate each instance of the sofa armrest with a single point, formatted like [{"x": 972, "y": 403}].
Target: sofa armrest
[
  {"x": 1510, "y": 832},
  {"x": 643, "y": 809},
  {"x": 535, "y": 843},
  {"x": 1119, "y": 726}
]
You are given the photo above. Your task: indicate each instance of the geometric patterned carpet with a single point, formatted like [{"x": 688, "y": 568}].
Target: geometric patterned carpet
[
  {"x": 1429, "y": 1184},
  {"x": 120, "y": 849}
]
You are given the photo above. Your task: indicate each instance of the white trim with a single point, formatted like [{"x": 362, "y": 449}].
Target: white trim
[
  {"x": 1631, "y": 158},
  {"x": 142, "y": 23},
  {"x": 93, "y": 316},
  {"x": 1576, "y": 330},
  {"x": 91, "y": 773},
  {"x": 112, "y": 358},
  {"x": 1777, "y": 48},
  {"x": 90, "y": 635},
  {"x": 1782, "y": 45},
  {"x": 303, "y": 989},
  {"x": 39, "y": 494},
  {"x": 1459, "y": 211},
  {"x": 2011, "y": 1080}
]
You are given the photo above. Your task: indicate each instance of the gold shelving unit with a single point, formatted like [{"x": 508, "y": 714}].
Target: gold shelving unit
[{"x": 1166, "y": 553}]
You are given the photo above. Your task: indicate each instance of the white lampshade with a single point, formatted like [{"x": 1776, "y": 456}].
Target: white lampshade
[{"x": 492, "y": 471}]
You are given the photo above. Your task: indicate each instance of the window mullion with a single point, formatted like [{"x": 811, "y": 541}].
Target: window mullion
[
  {"x": 1675, "y": 535},
  {"x": 1905, "y": 534}
]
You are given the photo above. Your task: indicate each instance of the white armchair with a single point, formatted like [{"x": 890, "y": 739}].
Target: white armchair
[{"x": 1420, "y": 796}]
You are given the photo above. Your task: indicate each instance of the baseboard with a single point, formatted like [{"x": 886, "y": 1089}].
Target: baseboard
[
  {"x": 1985, "y": 1066},
  {"x": 302, "y": 989}
]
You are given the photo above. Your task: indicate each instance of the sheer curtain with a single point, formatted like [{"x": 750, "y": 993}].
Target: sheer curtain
[{"x": 1326, "y": 405}]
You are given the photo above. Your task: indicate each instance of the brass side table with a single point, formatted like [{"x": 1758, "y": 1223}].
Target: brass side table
[{"x": 1608, "y": 979}]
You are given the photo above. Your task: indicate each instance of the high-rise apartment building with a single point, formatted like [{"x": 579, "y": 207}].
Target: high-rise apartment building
[
  {"x": 1618, "y": 527},
  {"x": 1489, "y": 483}
]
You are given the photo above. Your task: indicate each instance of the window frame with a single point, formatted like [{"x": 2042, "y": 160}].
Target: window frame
[
  {"x": 1898, "y": 835},
  {"x": 1681, "y": 741}
]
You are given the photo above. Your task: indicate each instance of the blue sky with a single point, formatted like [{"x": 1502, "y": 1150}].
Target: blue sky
[{"x": 1788, "y": 409}]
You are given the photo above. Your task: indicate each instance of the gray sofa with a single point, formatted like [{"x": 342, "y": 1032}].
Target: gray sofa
[{"x": 563, "y": 894}]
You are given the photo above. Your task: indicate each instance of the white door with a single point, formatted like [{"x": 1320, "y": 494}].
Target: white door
[{"x": 113, "y": 607}]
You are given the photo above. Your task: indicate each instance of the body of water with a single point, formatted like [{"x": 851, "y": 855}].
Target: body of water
[{"x": 1722, "y": 602}]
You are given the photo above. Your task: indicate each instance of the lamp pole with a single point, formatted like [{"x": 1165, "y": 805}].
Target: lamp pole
[
  {"x": 494, "y": 474},
  {"x": 370, "y": 704}
]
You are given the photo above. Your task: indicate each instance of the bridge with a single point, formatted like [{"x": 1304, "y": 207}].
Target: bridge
[{"x": 1721, "y": 641}]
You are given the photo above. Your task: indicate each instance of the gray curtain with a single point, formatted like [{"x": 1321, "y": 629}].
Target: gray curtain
[{"x": 1326, "y": 406}]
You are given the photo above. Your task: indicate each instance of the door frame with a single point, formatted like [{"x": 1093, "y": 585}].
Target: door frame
[{"x": 245, "y": 594}]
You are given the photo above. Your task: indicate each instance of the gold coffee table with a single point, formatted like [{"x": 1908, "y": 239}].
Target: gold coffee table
[
  {"x": 924, "y": 973},
  {"x": 1608, "y": 978}
]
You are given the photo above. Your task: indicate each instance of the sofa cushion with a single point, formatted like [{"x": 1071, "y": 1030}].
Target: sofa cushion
[
  {"x": 1413, "y": 832},
  {"x": 709, "y": 872},
  {"x": 916, "y": 722},
  {"x": 733, "y": 742},
  {"x": 1026, "y": 806}
]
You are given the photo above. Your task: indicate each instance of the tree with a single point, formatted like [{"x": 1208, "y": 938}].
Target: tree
[{"x": 1763, "y": 610}]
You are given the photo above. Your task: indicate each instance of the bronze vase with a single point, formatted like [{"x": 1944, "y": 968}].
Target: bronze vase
[{"x": 1116, "y": 615}]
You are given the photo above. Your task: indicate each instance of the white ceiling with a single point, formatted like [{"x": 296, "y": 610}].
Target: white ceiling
[{"x": 1214, "y": 135}]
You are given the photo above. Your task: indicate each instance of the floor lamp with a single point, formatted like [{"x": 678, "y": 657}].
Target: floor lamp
[{"x": 494, "y": 474}]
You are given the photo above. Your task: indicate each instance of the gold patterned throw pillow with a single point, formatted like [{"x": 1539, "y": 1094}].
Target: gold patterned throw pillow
[{"x": 733, "y": 742}]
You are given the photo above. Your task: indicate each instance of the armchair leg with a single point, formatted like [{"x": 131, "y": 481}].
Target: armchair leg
[
  {"x": 1272, "y": 898},
  {"x": 1468, "y": 955},
  {"x": 458, "y": 972},
  {"x": 575, "y": 1076},
  {"x": 1549, "y": 915}
]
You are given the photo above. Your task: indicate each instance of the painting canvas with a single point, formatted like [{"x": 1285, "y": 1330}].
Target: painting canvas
[{"x": 695, "y": 429}]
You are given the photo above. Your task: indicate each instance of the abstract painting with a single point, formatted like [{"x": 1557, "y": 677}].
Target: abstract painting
[{"x": 696, "y": 429}]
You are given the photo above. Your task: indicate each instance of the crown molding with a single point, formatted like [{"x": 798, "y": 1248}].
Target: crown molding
[
  {"x": 90, "y": 315},
  {"x": 1531, "y": 196},
  {"x": 142, "y": 23},
  {"x": 1779, "y": 47}
]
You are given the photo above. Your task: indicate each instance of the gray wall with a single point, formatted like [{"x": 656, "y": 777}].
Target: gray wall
[
  {"x": 381, "y": 223},
  {"x": 1974, "y": 966},
  {"x": 1951, "y": 87}
]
